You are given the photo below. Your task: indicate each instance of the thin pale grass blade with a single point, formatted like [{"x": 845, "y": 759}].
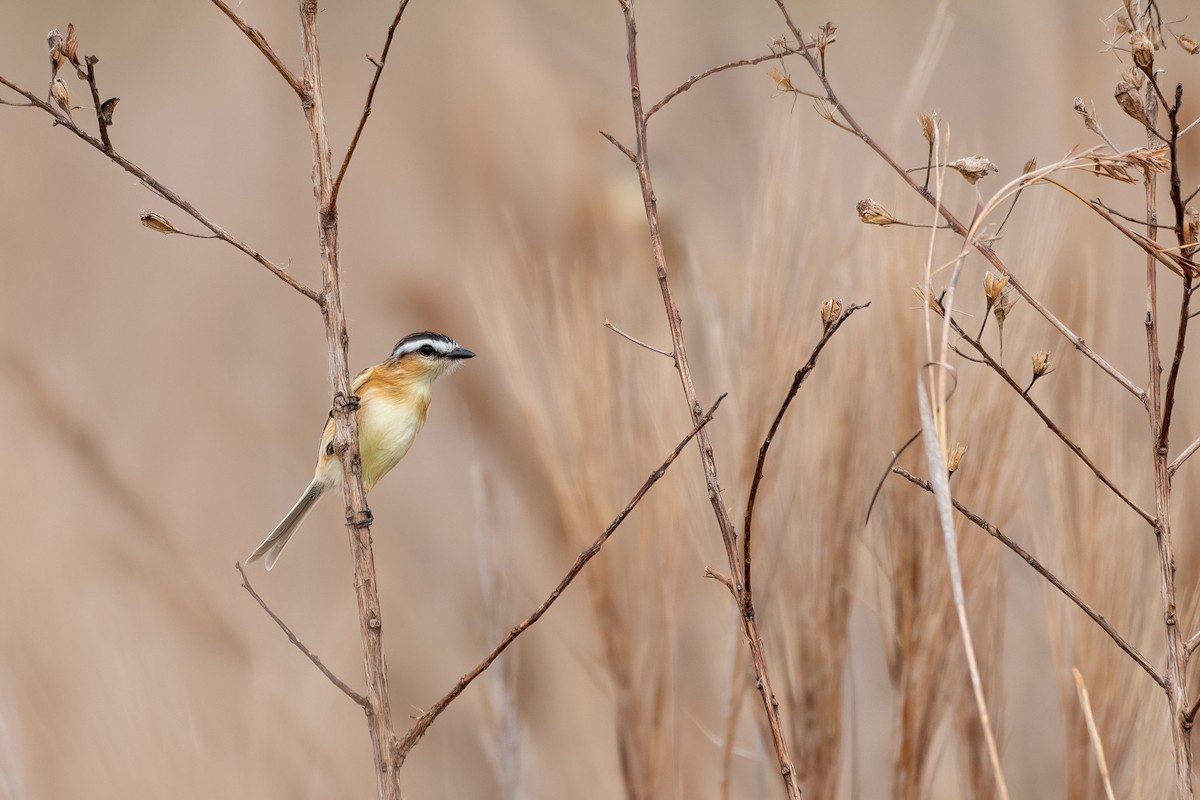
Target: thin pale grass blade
[
  {"x": 936, "y": 462},
  {"x": 1097, "y": 745}
]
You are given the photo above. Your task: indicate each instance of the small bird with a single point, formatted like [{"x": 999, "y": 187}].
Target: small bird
[{"x": 393, "y": 403}]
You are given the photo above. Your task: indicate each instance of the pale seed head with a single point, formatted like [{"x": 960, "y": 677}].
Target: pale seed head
[
  {"x": 974, "y": 167},
  {"x": 1041, "y": 363},
  {"x": 927, "y": 124}
]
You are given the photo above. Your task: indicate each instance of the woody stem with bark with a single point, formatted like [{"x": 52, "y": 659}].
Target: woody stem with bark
[{"x": 345, "y": 439}]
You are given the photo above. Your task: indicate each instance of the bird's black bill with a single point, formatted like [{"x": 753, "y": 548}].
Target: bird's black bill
[{"x": 460, "y": 352}]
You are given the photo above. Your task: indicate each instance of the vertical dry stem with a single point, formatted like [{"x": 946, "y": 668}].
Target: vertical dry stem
[
  {"x": 678, "y": 348},
  {"x": 345, "y": 441}
]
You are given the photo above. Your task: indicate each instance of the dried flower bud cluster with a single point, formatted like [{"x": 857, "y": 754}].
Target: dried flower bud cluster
[
  {"x": 873, "y": 213},
  {"x": 1004, "y": 304},
  {"x": 826, "y": 35},
  {"x": 993, "y": 287},
  {"x": 954, "y": 458},
  {"x": 831, "y": 309},
  {"x": 974, "y": 167},
  {"x": 1041, "y": 363},
  {"x": 157, "y": 222}
]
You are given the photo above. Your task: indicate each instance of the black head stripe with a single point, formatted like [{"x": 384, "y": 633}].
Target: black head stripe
[{"x": 441, "y": 343}]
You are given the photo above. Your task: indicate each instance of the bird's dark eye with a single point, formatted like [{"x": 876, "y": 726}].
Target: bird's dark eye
[{"x": 426, "y": 350}]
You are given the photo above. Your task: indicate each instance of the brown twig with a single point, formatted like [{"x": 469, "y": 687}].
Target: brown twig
[
  {"x": 708, "y": 461},
  {"x": 1000, "y": 370},
  {"x": 362, "y": 122},
  {"x": 338, "y": 682},
  {"x": 422, "y": 724},
  {"x": 260, "y": 42},
  {"x": 1184, "y": 456},
  {"x": 636, "y": 341},
  {"x": 615, "y": 143},
  {"x": 345, "y": 421},
  {"x": 692, "y": 81},
  {"x": 797, "y": 380},
  {"x": 165, "y": 193},
  {"x": 101, "y": 122},
  {"x": 1041, "y": 569}
]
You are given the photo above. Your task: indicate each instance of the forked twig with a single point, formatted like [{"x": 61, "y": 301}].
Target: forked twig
[
  {"x": 362, "y": 122},
  {"x": 425, "y": 720},
  {"x": 165, "y": 193},
  {"x": 328, "y": 673},
  {"x": 255, "y": 36},
  {"x": 637, "y": 341}
]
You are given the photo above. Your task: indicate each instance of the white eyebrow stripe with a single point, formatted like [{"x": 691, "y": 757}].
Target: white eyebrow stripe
[{"x": 443, "y": 346}]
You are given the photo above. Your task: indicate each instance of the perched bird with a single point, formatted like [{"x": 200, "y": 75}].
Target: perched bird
[{"x": 393, "y": 402}]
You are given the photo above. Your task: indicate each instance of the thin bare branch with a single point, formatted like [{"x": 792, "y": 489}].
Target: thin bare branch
[
  {"x": 328, "y": 673},
  {"x": 981, "y": 247},
  {"x": 1184, "y": 456},
  {"x": 101, "y": 121},
  {"x": 617, "y": 144},
  {"x": 255, "y": 36},
  {"x": 362, "y": 122},
  {"x": 168, "y": 195},
  {"x": 1193, "y": 640},
  {"x": 1000, "y": 370},
  {"x": 638, "y": 342},
  {"x": 1053, "y": 579},
  {"x": 797, "y": 380},
  {"x": 422, "y": 724},
  {"x": 692, "y": 81}
]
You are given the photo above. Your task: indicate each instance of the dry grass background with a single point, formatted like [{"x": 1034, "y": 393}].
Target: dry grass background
[{"x": 164, "y": 397}]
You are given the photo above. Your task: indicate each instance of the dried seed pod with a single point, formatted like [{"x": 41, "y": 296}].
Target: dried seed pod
[
  {"x": 1142, "y": 49},
  {"x": 61, "y": 95},
  {"x": 1041, "y": 363},
  {"x": 1029, "y": 167},
  {"x": 157, "y": 222},
  {"x": 933, "y": 303},
  {"x": 782, "y": 80},
  {"x": 107, "y": 108},
  {"x": 1135, "y": 77},
  {"x": 57, "y": 59},
  {"x": 1127, "y": 98},
  {"x": 1191, "y": 233},
  {"x": 873, "y": 213},
  {"x": 974, "y": 167},
  {"x": 831, "y": 309},
  {"x": 1188, "y": 44}
]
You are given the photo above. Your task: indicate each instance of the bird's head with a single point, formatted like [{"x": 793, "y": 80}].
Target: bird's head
[{"x": 427, "y": 355}]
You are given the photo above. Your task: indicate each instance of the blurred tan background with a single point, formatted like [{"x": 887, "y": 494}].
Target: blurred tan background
[{"x": 164, "y": 397}]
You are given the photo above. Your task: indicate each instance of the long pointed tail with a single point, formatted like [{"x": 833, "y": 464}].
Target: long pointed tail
[{"x": 273, "y": 545}]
